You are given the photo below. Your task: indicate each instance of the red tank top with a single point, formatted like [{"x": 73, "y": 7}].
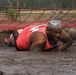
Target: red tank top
[{"x": 23, "y": 40}]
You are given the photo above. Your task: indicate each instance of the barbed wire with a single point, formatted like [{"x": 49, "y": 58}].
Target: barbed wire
[{"x": 60, "y": 16}]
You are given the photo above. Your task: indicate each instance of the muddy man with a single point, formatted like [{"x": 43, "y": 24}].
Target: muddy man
[{"x": 41, "y": 37}]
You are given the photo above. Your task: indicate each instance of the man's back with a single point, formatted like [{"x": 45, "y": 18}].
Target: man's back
[{"x": 23, "y": 40}]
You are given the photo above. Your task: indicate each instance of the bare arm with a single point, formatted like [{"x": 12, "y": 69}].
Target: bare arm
[
  {"x": 66, "y": 39},
  {"x": 38, "y": 41}
]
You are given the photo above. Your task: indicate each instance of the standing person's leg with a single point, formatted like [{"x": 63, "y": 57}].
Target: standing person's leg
[{"x": 1, "y": 73}]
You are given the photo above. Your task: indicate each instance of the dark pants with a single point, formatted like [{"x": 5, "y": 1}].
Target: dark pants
[{"x": 15, "y": 34}]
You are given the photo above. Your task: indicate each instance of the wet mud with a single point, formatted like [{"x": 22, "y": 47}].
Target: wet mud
[{"x": 14, "y": 62}]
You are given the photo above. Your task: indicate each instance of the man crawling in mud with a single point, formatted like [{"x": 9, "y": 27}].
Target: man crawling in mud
[{"x": 42, "y": 37}]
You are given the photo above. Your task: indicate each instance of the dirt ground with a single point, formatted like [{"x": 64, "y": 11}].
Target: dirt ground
[{"x": 14, "y": 62}]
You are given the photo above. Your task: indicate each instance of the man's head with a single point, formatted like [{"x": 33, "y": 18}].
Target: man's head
[{"x": 54, "y": 29}]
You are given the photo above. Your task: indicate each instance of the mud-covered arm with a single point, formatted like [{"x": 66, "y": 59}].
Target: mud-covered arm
[
  {"x": 66, "y": 39},
  {"x": 38, "y": 46},
  {"x": 38, "y": 41}
]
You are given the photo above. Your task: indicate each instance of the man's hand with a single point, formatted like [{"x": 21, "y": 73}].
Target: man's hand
[
  {"x": 66, "y": 39},
  {"x": 66, "y": 44}
]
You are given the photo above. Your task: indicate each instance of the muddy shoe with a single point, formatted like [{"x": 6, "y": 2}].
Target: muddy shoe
[
  {"x": 6, "y": 41},
  {"x": 10, "y": 41}
]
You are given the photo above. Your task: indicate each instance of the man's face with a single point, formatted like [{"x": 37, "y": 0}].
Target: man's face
[{"x": 54, "y": 34}]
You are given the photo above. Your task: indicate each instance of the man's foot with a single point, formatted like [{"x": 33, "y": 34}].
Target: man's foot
[
  {"x": 1, "y": 73},
  {"x": 6, "y": 41}
]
